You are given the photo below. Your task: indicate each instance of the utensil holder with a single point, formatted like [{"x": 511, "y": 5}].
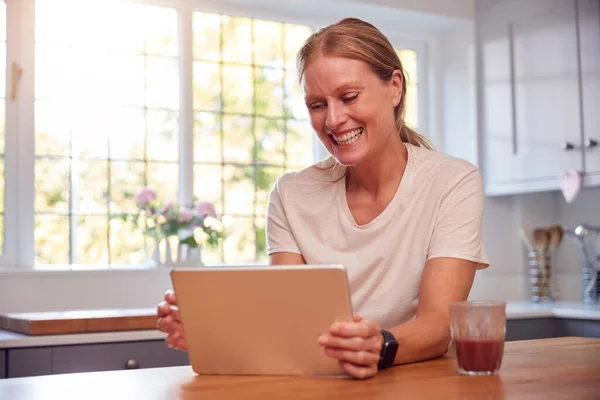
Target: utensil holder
[{"x": 540, "y": 275}]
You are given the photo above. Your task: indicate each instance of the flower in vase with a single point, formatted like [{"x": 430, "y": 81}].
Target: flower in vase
[{"x": 145, "y": 196}]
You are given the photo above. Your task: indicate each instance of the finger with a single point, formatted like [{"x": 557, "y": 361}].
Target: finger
[
  {"x": 168, "y": 325},
  {"x": 364, "y": 328},
  {"x": 363, "y": 358},
  {"x": 357, "y": 318},
  {"x": 357, "y": 343},
  {"x": 163, "y": 309},
  {"x": 170, "y": 297},
  {"x": 177, "y": 342},
  {"x": 359, "y": 372}
]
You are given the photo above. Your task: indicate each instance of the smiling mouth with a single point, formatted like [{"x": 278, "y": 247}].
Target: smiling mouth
[{"x": 347, "y": 138}]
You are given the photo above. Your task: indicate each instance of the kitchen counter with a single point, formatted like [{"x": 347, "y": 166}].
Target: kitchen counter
[
  {"x": 565, "y": 368},
  {"x": 566, "y": 310},
  {"x": 514, "y": 310}
]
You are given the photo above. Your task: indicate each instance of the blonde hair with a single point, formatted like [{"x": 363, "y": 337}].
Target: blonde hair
[{"x": 356, "y": 39}]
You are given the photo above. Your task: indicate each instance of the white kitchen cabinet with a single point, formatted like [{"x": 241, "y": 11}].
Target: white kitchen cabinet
[
  {"x": 536, "y": 89},
  {"x": 589, "y": 39}
]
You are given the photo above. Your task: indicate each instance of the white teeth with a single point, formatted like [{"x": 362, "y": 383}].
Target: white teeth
[{"x": 348, "y": 138}]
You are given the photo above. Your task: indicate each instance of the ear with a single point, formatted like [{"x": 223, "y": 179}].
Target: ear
[{"x": 396, "y": 84}]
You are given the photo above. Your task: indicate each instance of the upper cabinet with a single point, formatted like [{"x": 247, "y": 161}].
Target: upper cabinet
[
  {"x": 588, "y": 12},
  {"x": 536, "y": 92}
]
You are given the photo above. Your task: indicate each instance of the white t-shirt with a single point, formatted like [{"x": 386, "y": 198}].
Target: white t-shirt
[{"x": 436, "y": 212}]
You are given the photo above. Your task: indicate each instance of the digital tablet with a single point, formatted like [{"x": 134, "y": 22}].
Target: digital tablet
[{"x": 249, "y": 320}]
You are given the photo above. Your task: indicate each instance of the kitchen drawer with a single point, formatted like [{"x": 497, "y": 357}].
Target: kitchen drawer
[
  {"x": 591, "y": 329},
  {"x": 2, "y": 364},
  {"x": 535, "y": 328},
  {"x": 115, "y": 356},
  {"x": 28, "y": 362}
]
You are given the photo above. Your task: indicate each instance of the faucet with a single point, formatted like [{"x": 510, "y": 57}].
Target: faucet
[{"x": 590, "y": 268}]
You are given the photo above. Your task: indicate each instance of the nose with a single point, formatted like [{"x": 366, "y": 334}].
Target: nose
[{"x": 336, "y": 116}]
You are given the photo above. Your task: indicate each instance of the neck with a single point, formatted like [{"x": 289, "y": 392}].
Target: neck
[{"x": 381, "y": 170}]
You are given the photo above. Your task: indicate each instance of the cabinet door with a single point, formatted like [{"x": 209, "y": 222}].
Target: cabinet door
[
  {"x": 2, "y": 364},
  {"x": 115, "y": 356},
  {"x": 589, "y": 42},
  {"x": 496, "y": 103},
  {"x": 546, "y": 95},
  {"x": 29, "y": 362}
]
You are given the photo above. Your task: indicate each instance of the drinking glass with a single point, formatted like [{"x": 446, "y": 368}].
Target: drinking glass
[{"x": 478, "y": 330}]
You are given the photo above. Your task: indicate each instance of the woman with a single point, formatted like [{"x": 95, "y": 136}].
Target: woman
[{"x": 404, "y": 219}]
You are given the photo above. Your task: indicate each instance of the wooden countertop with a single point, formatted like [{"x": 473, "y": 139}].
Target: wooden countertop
[{"x": 558, "y": 368}]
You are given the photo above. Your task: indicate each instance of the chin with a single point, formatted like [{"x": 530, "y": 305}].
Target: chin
[{"x": 349, "y": 158}]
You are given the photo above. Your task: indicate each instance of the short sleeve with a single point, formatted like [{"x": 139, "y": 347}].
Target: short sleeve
[
  {"x": 279, "y": 234},
  {"x": 458, "y": 227}
]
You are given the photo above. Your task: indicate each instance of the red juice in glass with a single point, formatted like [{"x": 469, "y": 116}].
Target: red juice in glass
[
  {"x": 479, "y": 355},
  {"x": 478, "y": 332}
]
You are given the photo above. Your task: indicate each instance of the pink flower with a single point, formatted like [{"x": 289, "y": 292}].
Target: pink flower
[
  {"x": 168, "y": 205},
  {"x": 186, "y": 215},
  {"x": 206, "y": 209},
  {"x": 145, "y": 196}
]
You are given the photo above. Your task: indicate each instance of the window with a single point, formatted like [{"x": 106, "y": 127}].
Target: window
[
  {"x": 408, "y": 58},
  {"x": 250, "y": 121},
  {"x": 195, "y": 103},
  {"x": 106, "y": 109}
]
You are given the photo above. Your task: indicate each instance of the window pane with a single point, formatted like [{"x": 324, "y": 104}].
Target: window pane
[
  {"x": 294, "y": 35},
  {"x": 207, "y": 36},
  {"x": 162, "y": 82},
  {"x": 207, "y": 86},
  {"x": 92, "y": 187},
  {"x": 2, "y": 60},
  {"x": 1, "y": 232},
  {"x": 164, "y": 178},
  {"x": 240, "y": 243},
  {"x": 270, "y": 141},
  {"x": 92, "y": 240},
  {"x": 52, "y": 129},
  {"x": 408, "y": 58},
  {"x": 2, "y": 125},
  {"x": 268, "y": 46},
  {"x": 161, "y": 31},
  {"x": 51, "y": 239},
  {"x": 261, "y": 239},
  {"x": 239, "y": 190},
  {"x": 237, "y": 40},
  {"x": 265, "y": 179},
  {"x": 239, "y": 140},
  {"x": 125, "y": 180},
  {"x": 299, "y": 143},
  {"x": 294, "y": 98},
  {"x": 412, "y": 107},
  {"x": 207, "y": 185},
  {"x": 128, "y": 134},
  {"x": 127, "y": 77},
  {"x": 238, "y": 89},
  {"x": 2, "y": 185},
  {"x": 126, "y": 243},
  {"x": 269, "y": 91},
  {"x": 207, "y": 137},
  {"x": 52, "y": 185},
  {"x": 163, "y": 131}
]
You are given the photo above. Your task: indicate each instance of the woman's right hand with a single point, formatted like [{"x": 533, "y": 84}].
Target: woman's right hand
[{"x": 169, "y": 322}]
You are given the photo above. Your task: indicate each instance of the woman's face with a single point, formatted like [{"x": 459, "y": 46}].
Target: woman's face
[{"x": 350, "y": 108}]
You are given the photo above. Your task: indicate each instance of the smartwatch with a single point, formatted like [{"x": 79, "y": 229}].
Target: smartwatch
[{"x": 388, "y": 350}]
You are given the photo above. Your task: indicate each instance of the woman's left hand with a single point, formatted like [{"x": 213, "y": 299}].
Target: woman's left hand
[{"x": 356, "y": 345}]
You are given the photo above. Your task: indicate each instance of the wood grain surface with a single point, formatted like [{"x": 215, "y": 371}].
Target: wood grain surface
[
  {"x": 88, "y": 321},
  {"x": 557, "y": 368}
]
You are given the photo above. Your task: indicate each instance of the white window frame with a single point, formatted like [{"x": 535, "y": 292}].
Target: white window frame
[{"x": 19, "y": 224}]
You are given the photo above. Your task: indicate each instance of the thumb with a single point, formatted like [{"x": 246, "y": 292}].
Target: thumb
[{"x": 357, "y": 318}]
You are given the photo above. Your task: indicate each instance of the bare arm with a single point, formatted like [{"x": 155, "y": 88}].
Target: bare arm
[
  {"x": 428, "y": 335},
  {"x": 286, "y": 259}
]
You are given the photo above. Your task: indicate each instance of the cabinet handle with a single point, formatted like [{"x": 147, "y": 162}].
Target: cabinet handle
[
  {"x": 590, "y": 143},
  {"x": 511, "y": 54},
  {"x": 568, "y": 146},
  {"x": 132, "y": 364}
]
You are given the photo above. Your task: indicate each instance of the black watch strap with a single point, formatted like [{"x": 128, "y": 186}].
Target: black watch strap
[{"x": 388, "y": 350}]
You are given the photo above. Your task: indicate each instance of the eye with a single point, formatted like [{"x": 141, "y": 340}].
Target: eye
[
  {"x": 316, "y": 106},
  {"x": 349, "y": 98}
]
